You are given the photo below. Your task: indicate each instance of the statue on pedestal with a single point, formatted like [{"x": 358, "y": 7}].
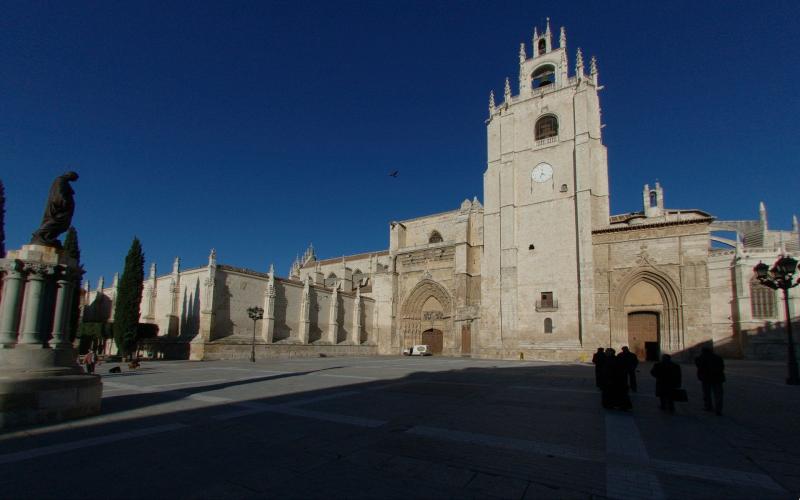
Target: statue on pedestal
[{"x": 58, "y": 211}]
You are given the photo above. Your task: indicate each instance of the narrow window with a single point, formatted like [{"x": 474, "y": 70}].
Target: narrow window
[
  {"x": 653, "y": 199},
  {"x": 546, "y": 126},
  {"x": 762, "y": 300},
  {"x": 547, "y": 299},
  {"x": 542, "y": 46},
  {"x": 435, "y": 237},
  {"x": 548, "y": 325}
]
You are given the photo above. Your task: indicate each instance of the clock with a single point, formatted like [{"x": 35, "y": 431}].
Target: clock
[{"x": 542, "y": 172}]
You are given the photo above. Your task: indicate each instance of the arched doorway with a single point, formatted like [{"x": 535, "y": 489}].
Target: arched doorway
[
  {"x": 643, "y": 335},
  {"x": 648, "y": 300},
  {"x": 435, "y": 339},
  {"x": 426, "y": 318}
]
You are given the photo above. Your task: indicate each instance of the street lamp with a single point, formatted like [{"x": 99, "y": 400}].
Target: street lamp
[
  {"x": 255, "y": 313},
  {"x": 781, "y": 276}
]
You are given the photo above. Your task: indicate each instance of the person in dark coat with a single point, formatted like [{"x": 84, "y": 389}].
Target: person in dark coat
[
  {"x": 615, "y": 383},
  {"x": 668, "y": 378},
  {"x": 630, "y": 362},
  {"x": 711, "y": 372},
  {"x": 598, "y": 359}
]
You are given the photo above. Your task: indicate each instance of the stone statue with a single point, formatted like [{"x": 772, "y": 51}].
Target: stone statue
[{"x": 57, "y": 212}]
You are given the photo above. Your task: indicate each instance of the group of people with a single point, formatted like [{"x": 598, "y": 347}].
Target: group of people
[{"x": 615, "y": 375}]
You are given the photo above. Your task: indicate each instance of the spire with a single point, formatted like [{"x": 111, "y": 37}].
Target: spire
[
  {"x": 212, "y": 258},
  {"x": 795, "y": 225},
  {"x": 762, "y": 211},
  {"x": 152, "y": 270},
  {"x": 491, "y": 103},
  {"x": 176, "y": 265},
  {"x": 562, "y": 40},
  {"x": 522, "y": 55},
  {"x": 507, "y": 92},
  {"x": 579, "y": 63},
  {"x": 535, "y": 37},
  {"x": 547, "y": 29},
  {"x": 593, "y": 69}
]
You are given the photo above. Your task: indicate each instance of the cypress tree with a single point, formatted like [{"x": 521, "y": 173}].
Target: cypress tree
[
  {"x": 129, "y": 298},
  {"x": 72, "y": 249},
  {"x": 2, "y": 219}
]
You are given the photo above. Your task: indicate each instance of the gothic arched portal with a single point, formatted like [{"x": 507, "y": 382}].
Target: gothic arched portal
[{"x": 427, "y": 308}]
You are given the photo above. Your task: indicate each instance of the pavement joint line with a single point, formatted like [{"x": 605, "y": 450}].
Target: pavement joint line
[
  {"x": 86, "y": 443},
  {"x": 624, "y": 439}
]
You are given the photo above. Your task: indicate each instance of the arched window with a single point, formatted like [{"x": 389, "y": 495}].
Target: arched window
[
  {"x": 548, "y": 325},
  {"x": 435, "y": 237},
  {"x": 544, "y": 75},
  {"x": 546, "y": 126},
  {"x": 331, "y": 280},
  {"x": 762, "y": 300},
  {"x": 542, "y": 46},
  {"x": 357, "y": 277},
  {"x": 653, "y": 199}
]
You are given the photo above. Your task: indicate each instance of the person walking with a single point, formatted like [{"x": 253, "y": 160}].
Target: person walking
[
  {"x": 711, "y": 373},
  {"x": 668, "y": 378},
  {"x": 615, "y": 384},
  {"x": 89, "y": 359},
  {"x": 630, "y": 362},
  {"x": 598, "y": 359}
]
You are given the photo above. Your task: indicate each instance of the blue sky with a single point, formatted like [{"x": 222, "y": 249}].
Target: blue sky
[{"x": 258, "y": 127}]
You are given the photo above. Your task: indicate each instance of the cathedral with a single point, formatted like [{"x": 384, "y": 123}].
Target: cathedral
[{"x": 540, "y": 270}]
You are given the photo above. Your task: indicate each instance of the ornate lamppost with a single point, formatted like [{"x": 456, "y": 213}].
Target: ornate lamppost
[
  {"x": 255, "y": 313},
  {"x": 781, "y": 276}
]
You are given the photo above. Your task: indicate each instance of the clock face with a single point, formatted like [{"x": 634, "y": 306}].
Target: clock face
[{"x": 542, "y": 172}]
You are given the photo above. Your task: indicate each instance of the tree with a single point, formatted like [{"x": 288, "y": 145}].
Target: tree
[
  {"x": 72, "y": 249},
  {"x": 129, "y": 298},
  {"x": 2, "y": 219}
]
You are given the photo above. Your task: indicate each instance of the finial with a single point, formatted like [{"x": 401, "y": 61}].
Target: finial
[
  {"x": 562, "y": 40},
  {"x": 212, "y": 257},
  {"x": 761, "y": 207},
  {"x": 491, "y": 103},
  {"x": 507, "y": 91},
  {"x": 152, "y": 270},
  {"x": 271, "y": 270},
  {"x": 593, "y": 66},
  {"x": 522, "y": 55},
  {"x": 535, "y": 35},
  {"x": 547, "y": 30},
  {"x": 579, "y": 63},
  {"x": 176, "y": 265},
  {"x": 795, "y": 225},
  {"x": 115, "y": 281}
]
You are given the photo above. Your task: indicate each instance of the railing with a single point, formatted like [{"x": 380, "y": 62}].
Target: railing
[
  {"x": 547, "y": 305},
  {"x": 546, "y": 140}
]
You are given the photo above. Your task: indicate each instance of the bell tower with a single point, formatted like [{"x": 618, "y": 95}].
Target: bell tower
[{"x": 545, "y": 190}]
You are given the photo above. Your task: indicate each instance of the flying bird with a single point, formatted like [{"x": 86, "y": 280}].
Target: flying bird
[{"x": 394, "y": 173}]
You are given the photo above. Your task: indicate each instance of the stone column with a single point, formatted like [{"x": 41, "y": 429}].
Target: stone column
[
  {"x": 62, "y": 312},
  {"x": 32, "y": 333},
  {"x": 268, "y": 325},
  {"x": 12, "y": 288},
  {"x": 333, "y": 316},
  {"x": 355, "y": 335},
  {"x": 305, "y": 313}
]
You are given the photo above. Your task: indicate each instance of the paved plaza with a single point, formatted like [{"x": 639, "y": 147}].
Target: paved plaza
[{"x": 393, "y": 427}]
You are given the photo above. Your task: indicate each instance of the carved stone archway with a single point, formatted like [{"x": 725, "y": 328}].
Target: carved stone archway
[
  {"x": 670, "y": 311},
  {"x": 416, "y": 317}
]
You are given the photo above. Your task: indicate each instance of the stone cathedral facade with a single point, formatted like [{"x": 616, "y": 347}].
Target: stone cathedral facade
[{"x": 541, "y": 269}]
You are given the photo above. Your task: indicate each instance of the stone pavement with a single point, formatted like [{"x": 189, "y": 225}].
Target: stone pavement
[{"x": 394, "y": 427}]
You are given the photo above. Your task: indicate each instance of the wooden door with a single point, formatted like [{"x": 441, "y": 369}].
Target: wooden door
[
  {"x": 643, "y": 335},
  {"x": 433, "y": 338},
  {"x": 466, "y": 340}
]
